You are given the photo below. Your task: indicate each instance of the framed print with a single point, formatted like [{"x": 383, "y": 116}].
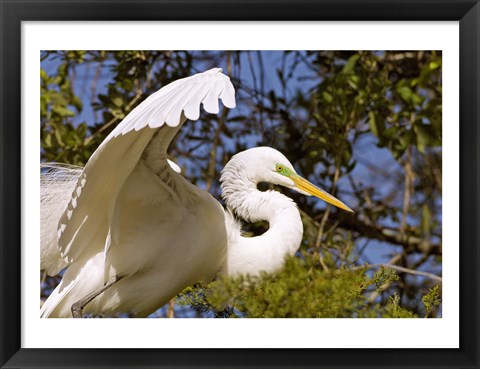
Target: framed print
[{"x": 297, "y": 166}]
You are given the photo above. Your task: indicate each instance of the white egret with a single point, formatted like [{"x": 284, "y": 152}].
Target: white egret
[{"x": 135, "y": 232}]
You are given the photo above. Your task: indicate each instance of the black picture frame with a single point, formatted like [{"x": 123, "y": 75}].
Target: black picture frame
[{"x": 467, "y": 12}]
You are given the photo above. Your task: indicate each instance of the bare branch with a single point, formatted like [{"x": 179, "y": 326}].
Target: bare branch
[{"x": 410, "y": 243}]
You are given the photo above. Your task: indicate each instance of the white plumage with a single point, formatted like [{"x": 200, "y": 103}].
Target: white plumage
[
  {"x": 135, "y": 232},
  {"x": 240, "y": 177},
  {"x": 57, "y": 182}
]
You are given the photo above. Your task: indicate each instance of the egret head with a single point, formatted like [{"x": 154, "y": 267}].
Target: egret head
[{"x": 264, "y": 164}]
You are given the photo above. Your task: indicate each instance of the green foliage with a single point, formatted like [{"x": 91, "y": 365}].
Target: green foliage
[
  {"x": 431, "y": 301},
  {"x": 61, "y": 140},
  {"x": 300, "y": 290},
  {"x": 399, "y": 99},
  {"x": 393, "y": 309}
]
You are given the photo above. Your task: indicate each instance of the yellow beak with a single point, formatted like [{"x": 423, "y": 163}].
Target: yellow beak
[{"x": 310, "y": 188}]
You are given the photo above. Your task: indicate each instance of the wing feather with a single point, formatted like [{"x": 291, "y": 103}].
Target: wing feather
[
  {"x": 57, "y": 181},
  {"x": 228, "y": 95},
  {"x": 176, "y": 111},
  {"x": 210, "y": 103},
  {"x": 85, "y": 226},
  {"x": 192, "y": 110}
]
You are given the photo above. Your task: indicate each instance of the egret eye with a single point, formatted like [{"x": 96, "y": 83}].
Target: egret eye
[{"x": 279, "y": 168}]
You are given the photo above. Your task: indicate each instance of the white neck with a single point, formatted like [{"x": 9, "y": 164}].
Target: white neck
[{"x": 250, "y": 255}]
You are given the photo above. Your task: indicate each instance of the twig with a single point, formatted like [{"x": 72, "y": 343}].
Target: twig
[
  {"x": 388, "y": 264},
  {"x": 410, "y": 271},
  {"x": 324, "y": 220},
  {"x": 114, "y": 119},
  {"x": 399, "y": 268},
  {"x": 216, "y": 139},
  {"x": 412, "y": 244},
  {"x": 409, "y": 177},
  {"x": 171, "y": 308},
  {"x": 94, "y": 88}
]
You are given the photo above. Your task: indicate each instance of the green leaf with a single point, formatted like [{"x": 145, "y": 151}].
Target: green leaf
[
  {"x": 128, "y": 85},
  {"x": 77, "y": 103},
  {"x": 405, "y": 93},
  {"x": 58, "y": 136},
  {"x": 348, "y": 67},
  {"x": 390, "y": 132},
  {"x": 426, "y": 136},
  {"x": 63, "y": 111},
  {"x": 426, "y": 220},
  {"x": 82, "y": 130},
  {"x": 431, "y": 300},
  {"x": 327, "y": 97},
  {"x": 376, "y": 123},
  {"x": 416, "y": 99},
  {"x": 43, "y": 74},
  {"x": 117, "y": 113},
  {"x": 118, "y": 101},
  {"x": 406, "y": 139},
  {"x": 47, "y": 141}
]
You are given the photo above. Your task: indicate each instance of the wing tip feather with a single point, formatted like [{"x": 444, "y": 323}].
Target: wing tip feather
[{"x": 220, "y": 88}]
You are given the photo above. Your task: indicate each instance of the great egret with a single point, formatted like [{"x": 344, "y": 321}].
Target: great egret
[{"x": 135, "y": 232}]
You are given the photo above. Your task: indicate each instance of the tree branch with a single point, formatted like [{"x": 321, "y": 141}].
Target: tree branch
[{"x": 411, "y": 244}]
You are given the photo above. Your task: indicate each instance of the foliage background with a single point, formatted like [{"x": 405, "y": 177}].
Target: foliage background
[{"x": 364, "y": 125}]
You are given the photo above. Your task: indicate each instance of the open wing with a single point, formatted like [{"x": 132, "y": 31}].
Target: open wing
[{"x": 89, "y": 214}]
